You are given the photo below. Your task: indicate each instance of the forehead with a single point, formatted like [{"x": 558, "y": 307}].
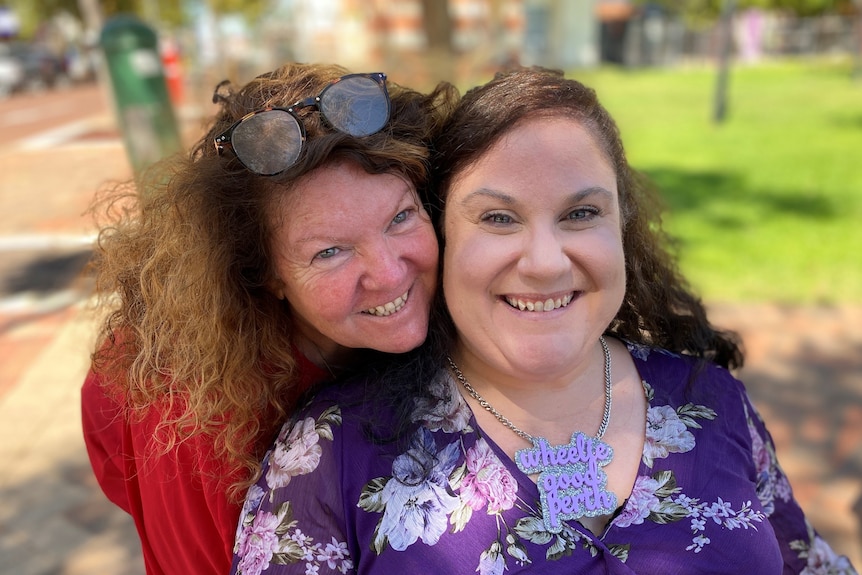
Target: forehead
[
  {"x": 340, "y": 197},
  {"x": 537, "y": 149}
]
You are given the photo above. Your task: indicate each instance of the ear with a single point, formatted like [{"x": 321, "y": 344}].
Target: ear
[{"x": 276, "y": 287}]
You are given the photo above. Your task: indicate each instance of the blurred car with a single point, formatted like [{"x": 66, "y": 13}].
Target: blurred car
[
  {"x": 30, "y": 66},
  {"x": 42, "y": 68},
  {"x": 11, "y": 71}
]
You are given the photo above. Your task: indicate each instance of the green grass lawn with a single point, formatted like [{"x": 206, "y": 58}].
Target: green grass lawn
[{"x": 766, "y": 206}]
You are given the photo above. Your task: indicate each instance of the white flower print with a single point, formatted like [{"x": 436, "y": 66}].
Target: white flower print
[
  {"x": 822, "y": 560},
  {"x": 638, "y": 350},
  {"x": 720, "y": 513},
  {"x": 772, "y": 484},
  {"x": 417, "y": 498},
  {"x": 819, "y": 556},
  {"x": 665, "y": 433},
  {"x": 336, "y": 555},
  {"x": 296, "y": 454},
  {"x": 659, "y": 499},
  {"x": 492, "y": 562},
  {"x": 447, "y": 411},
  {"x": 698, "y": 543}
]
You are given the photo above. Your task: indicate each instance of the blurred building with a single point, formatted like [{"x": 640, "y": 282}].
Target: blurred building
[
  {"x": 428, "y": 40},
  {"x": 486, "y": 33}
]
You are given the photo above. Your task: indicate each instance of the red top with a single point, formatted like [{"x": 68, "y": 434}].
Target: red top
[{"x": 183, "y": 515}]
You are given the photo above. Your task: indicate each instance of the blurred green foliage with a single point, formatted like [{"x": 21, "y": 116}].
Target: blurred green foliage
[
  {"x": 706, "y": 11},
  {"x": 766, "y": 206},
  {"x": 167, "y": 12}
]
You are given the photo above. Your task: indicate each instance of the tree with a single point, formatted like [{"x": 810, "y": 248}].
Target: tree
[{"x": 166, "y": 12}]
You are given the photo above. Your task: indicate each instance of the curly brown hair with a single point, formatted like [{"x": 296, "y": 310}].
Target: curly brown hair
[
  {"x": 184, "y": 260},
  {"x": 659, "y": 308}
]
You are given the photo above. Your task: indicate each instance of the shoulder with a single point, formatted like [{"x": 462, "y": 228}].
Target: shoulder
[{"x": 678, "y": 378}]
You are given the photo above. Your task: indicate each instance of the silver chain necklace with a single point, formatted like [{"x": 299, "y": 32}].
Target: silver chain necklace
[{"x": 606, "y": 417}]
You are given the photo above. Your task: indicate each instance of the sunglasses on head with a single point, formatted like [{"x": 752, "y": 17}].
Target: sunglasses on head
[{"x": 269, "y": 141}]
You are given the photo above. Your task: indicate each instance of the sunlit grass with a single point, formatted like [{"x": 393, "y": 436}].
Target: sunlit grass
[{"x": 766, "y": 206}]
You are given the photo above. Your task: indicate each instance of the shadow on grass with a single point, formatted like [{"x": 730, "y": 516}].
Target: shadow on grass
[
  {"x": 845, "y": 121},
  {"x": 704, "y": 192}
]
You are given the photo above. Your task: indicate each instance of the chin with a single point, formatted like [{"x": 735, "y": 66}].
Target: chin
[{"x": 404, "y": 345}]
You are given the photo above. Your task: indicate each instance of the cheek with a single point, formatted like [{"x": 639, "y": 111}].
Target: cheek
[
  {"x": 462, "y": 267},
  {"x": 423, "y": 250},
  {"x": 322, "y": 299},
  {"x": 609, "y": 264}
]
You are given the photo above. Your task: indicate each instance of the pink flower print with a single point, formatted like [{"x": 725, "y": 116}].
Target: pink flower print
[
  {"x": 257, "y": 544},
  {"x": 487, "y": 482},
  {"x": 822, "y": 559},
  {"x": 762, "y": 459},
  {"x": 641, "y": 503},
  {"x": 298, "y": 454},
  {"x": 665, "y": 433}
]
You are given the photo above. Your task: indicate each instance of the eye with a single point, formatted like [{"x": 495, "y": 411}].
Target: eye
[
  {"x": 582, "y": 214},
  {"x": 401, "y": 216},
  {"x": 327, "y": 253},
  {"x": 497, "y": 218}
]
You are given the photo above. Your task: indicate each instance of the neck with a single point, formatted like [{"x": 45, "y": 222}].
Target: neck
[
  {"x": 554, "y": 407},
  {"x": 327, "y": 355}
]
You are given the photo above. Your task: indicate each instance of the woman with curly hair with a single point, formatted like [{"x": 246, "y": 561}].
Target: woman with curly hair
[
  {"x": 572, "y": 410},
  {"x": 287, "y": 247}
]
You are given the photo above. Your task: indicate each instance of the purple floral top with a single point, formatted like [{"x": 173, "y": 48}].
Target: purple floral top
[{"x": 709, "y": 496}]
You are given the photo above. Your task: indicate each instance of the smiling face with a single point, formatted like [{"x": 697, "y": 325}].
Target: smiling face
[
  {"x": 356, "y": 259},
  {"x": 533, "y": 265}
]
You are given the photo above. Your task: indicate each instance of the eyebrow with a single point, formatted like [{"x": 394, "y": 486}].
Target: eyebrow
[
  {"x": 408, "y": 190},
  {"x": 575, "y": 197}
]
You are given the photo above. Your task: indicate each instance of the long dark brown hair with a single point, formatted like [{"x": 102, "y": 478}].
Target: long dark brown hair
[{"x": 659, "y": 308}]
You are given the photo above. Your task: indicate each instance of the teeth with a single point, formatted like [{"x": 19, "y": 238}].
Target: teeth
[
  {"x": 389, "y": 308},
  {"x": 549, "y": 304}
]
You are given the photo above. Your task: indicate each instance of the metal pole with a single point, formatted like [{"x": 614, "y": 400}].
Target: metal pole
[{"x": 725, "y": 45}]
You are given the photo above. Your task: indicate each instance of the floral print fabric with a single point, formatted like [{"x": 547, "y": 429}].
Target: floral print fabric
[{"x": 709, "y": 496}]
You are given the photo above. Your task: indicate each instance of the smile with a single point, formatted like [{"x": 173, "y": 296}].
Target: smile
[
  {"x": 549, "y": 304},
  {"x": 389, "y": 308}
]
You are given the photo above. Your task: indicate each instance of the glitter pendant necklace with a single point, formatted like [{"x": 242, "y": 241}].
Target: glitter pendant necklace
[{"x": 571, "y": 481}]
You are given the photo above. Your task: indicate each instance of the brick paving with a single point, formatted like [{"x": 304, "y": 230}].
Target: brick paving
[{"x": 804, "y": 373}]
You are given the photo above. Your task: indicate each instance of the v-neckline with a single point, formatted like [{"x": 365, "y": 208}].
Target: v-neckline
[{"x": 530, "y": 487}]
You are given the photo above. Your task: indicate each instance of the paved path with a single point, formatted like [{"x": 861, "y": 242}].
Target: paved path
[{"x": 804, "y": 373}]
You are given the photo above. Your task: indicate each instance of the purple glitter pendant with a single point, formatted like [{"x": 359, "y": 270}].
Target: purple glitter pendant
[{"x": 571, "y": 482}]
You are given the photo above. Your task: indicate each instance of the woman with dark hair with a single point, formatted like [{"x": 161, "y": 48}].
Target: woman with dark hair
[
  {"x": 287, "y": 247},
  {"x": 572, "y": 409}
]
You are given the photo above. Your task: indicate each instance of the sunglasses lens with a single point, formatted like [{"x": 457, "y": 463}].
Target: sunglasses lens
[
  {"x": 268, "y": 142},
  {"x": 356, "y": 105}
]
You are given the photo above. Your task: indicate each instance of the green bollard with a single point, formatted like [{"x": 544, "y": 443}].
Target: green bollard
[{"x": 141, "y": 98}]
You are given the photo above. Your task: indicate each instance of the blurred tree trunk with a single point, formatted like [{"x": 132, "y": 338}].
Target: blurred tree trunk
[
  {"x": 725, "y": 45},
  {"x": 438, "y": 32},
  {"x": 857, "y": 68},
  {"x": 91, "y": 14}
]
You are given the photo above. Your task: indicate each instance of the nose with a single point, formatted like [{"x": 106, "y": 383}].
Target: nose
[
  {"x": 385, "y": 268},
  {"x": 543, "y": 255}
]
